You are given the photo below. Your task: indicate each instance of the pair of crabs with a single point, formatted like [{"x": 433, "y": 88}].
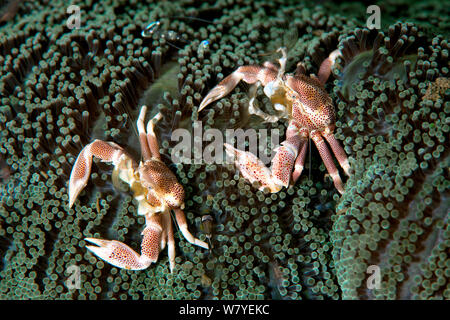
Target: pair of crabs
[{"x": 301, "y": 99}]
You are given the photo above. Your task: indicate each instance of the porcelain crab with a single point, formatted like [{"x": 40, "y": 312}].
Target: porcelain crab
[
  {"x": 155, "y": 188},
  {"x": 304, "y": 102}
]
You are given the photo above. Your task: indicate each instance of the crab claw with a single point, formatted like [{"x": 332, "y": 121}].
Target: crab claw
[
  {"x": 79, "y": 175},
  {"x": 248, "y": 74},
  {"x": 216, "y": 93},
  {"x": 103, "y": 150},
  {"x": 118, "y": 254},
  {"x": 252, "y": 168},
  {"x": 122, "y": 256}
]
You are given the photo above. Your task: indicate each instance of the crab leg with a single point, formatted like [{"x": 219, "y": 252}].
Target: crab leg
[
  {"x": 327, "y": 66},
  {"x": 249, "y": 74},
  {"x": 283, "y": 161},
  {"x": 147, "y": 140},
  {"x": 327, "y": 160},
  {"x": 300, "y": 161},
  {"x": 338, "y": 151},
  {"x": 271, "y": 65},
  {"x": 167, "y": 221},
  {"x": 122, "y": 256},
  {"x": 300, "y": 69},
  {"x": 145, "y": 150},
  {"x": 105, "y": 151},
  {"x": 181, "y": 220},
  {"x": 151, "y": 137}
]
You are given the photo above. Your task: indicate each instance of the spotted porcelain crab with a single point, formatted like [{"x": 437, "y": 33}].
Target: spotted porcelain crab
[
  {"x": 155, "y": 188},
  {"x": 310, "y": 111}
]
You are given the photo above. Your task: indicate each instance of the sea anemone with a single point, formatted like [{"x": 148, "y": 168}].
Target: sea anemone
[{"x": 61, "y": 88}]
